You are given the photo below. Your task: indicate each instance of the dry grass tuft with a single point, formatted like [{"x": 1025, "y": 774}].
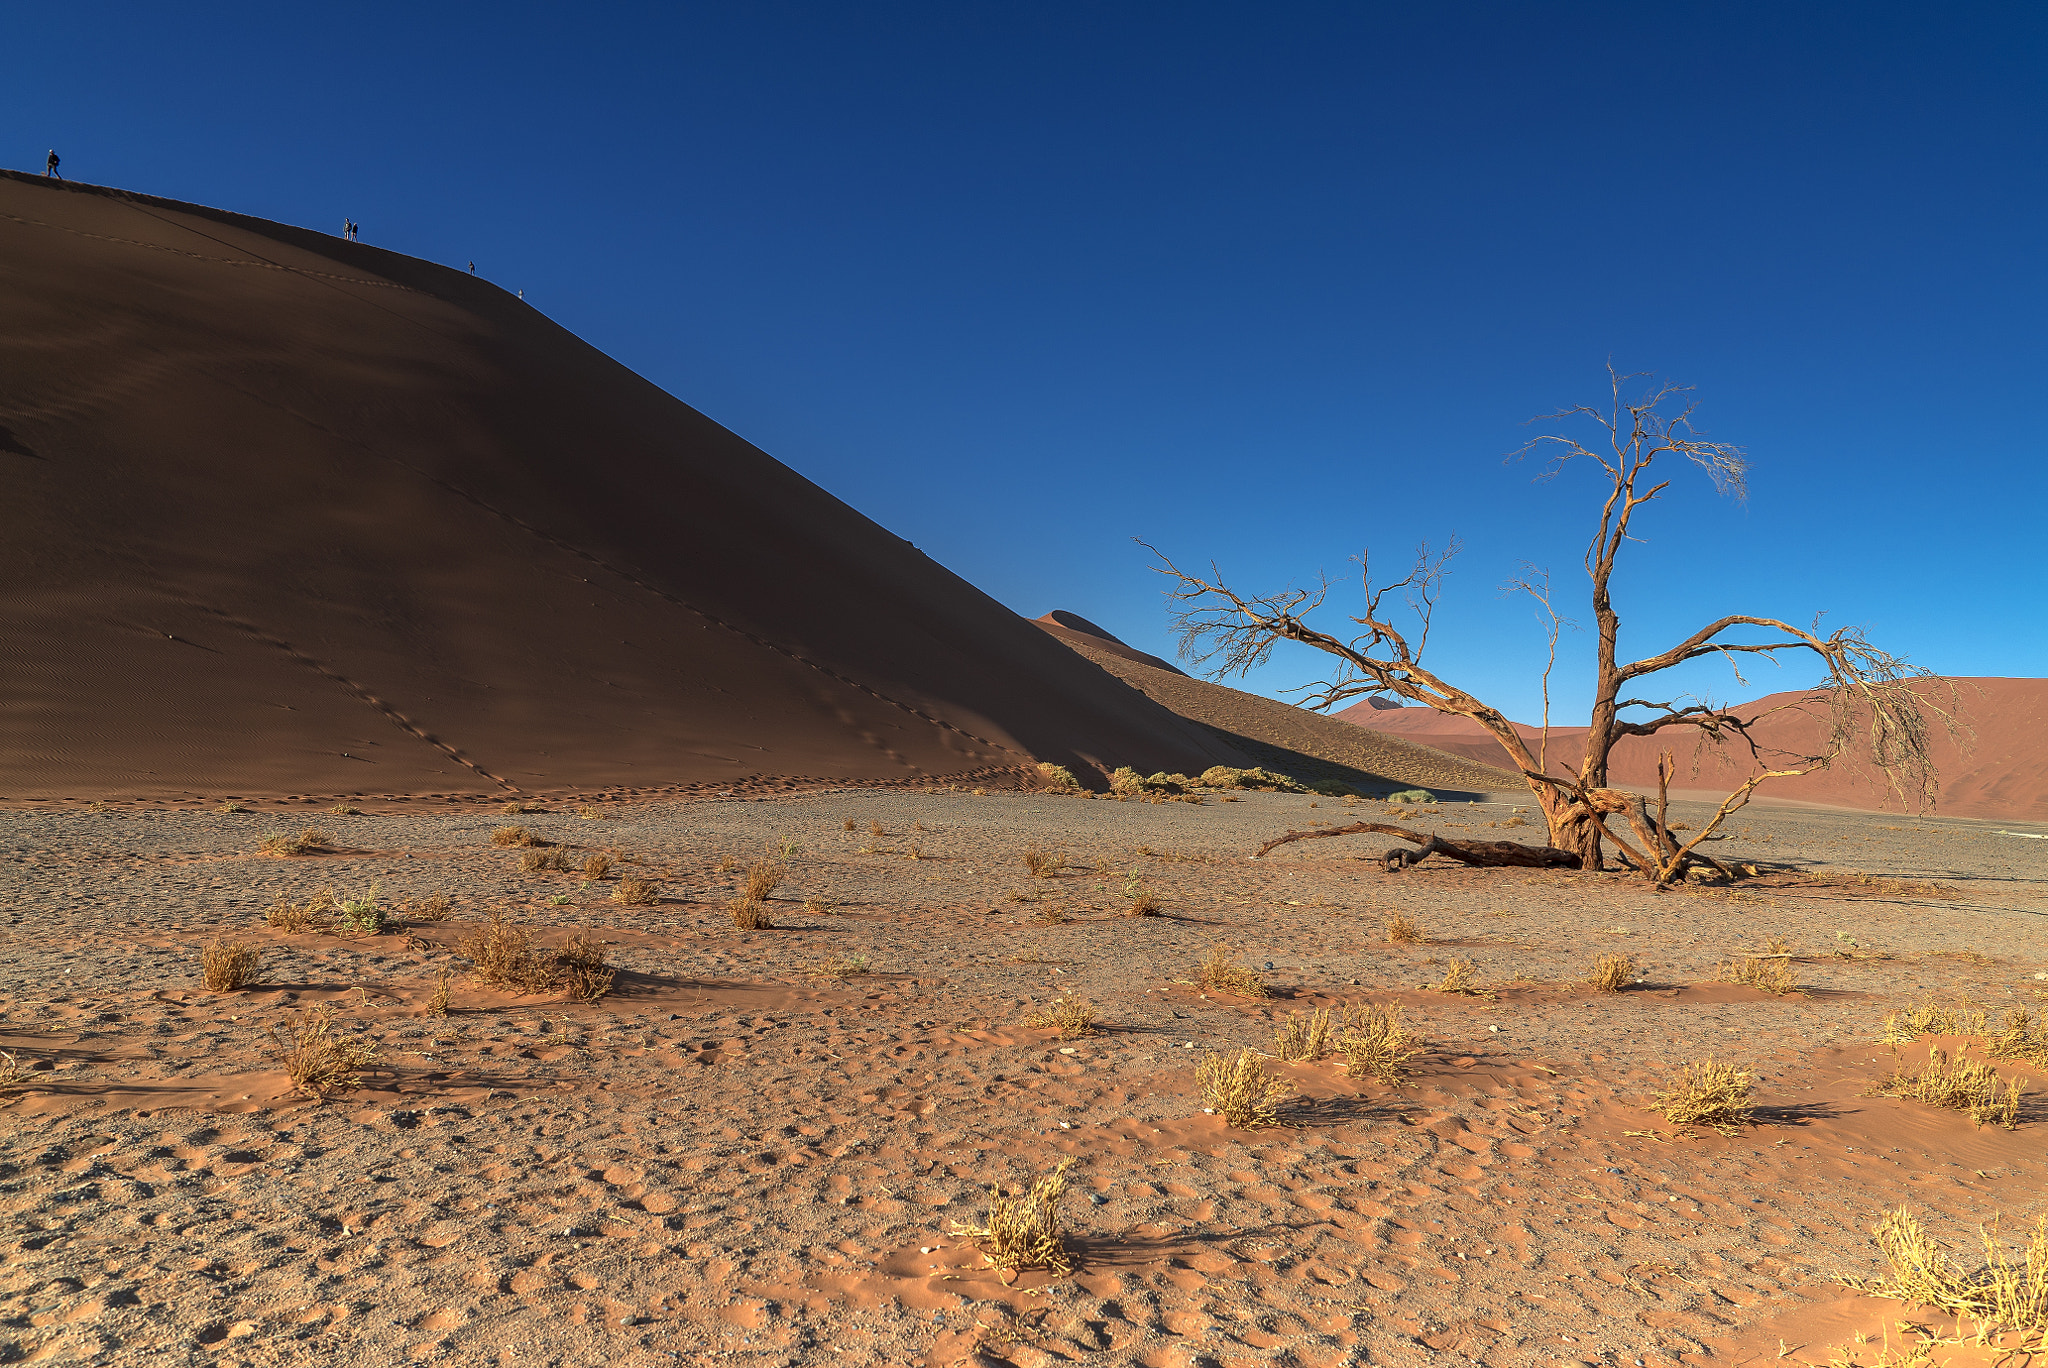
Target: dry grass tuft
[
  {"x": 501, "y": 953},
  {"x": 634, "y": 893},
  {"x": 319, "y": 1062},
  {"x": 230, "y": 808},
  {"x": 1071, "y": 1017},
  {"x": 1241, "y": 1091},
  {"x": 1043, "y": 864},
  {"x": 596, "y": 866},
  {"x": 521, "y": 809},
  {"x": 2006, "y": 1293},
  {"x": 1707, "y": 1094},
  {"x": 437, "y": 1005},
  {"x": 589, "y": 813},
  {"x": 308, "y": 842},
  {"x": 877, "y": 830},
  {"x": 1777, "y": 945},
  {"x": 1303, "y": 1039},
  {"x": 1375, "y": 1042},
  {"x": 1960, "y": 1085},
  {"x": 432, "y": 908},
  {"x": 12, "y": 1074},
  {"x": 1612, "y": 973},
  {"x": 1221, "y": 973},
  {"x": 515, "y": 836},
  {"x": 847, "y": 825},
  {"x": 1457, "y": 978},
  {"x": 1023, "y": 1229},
  {"x": 362, "y": 916},
  {"x": 225, "y": 966},
  {"x": 1144, "y": 903},
  {"x": 1058, "y": 777},
  {"x": 314, "y": 914},
  {"x": 581, "y": 967},
  {"x": 1052, "y": 914},
  {"x": 763, "y": 878},
  {"x": 817, "y": 907},
  {"x": 533, "y": 861},
  {"x": 344, "y": 810},
  {"x": 1771, "y": 974},
  {"x": 1401, "y": 931},
  {"x": 749, "y": 915}
]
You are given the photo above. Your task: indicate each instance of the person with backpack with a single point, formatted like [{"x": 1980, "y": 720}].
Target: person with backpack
[{"x": 50, "y": 167}]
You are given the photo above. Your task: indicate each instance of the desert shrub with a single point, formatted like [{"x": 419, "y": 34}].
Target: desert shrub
[
  {"x": 2003, "y": 1294},
  {"x": 432, "y": 908},
  {"x": 521, "y": 809},
  {"x": 1612, "y": 973},
  {"x": 501, "y": 953},
  {"x": 589, "y": 813},
  {"x": 308, "y": 842},
  {"x": 1058, "y": 777},
  {"x": 1761, "y": 971},
  {"x": 225, "y": 966},
  {"x": 344, "y": 810},
  {"x": 763, "y": 878},
  {"x": 362, "y": 916},
  {"x": 1960, "y": 1085},
  {"x": 12, "y": 1073},
  {"x": 581, "y": 967},
  {"x": 1143, "y": 903},
  {"x": 1333, "y": 788},
  {"x": 749, "y": 915},
  {"x": 1220, "y": 972},
  {"x": 1707, "y": 1094},
  {"x": 1230, "y": 777},
  {"x": 1043, "y": 864},
  {"x": 597, "y": 866},
  {"x": 1375, "y": 1042},
  {"x": 1023, "y": 1229},
  {"x": 319, "y": 1062},
  {"x": 817, "y": 907},
  {"x": 314, "y": 914},
  {"x": 1071, "y": 1017},
  {"x": 437, "y": 1002},
  {"x": 848, "y": 966},
  {"x": 1303, "y": 1039},
  {"x": 1457, "y": 978},
  {"x": 633, "y": 893},
  {"x": 1402, "y": 931},
  {"x": 1241, "y": 1091},
  {"x": 515, "y": 836},
  {"x": 230, "y": 808},
  {"x": 1125, "y": 780},
  {"x": 1412, "y": 796}
]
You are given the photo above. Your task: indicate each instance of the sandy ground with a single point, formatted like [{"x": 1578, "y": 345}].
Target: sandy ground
[{"x": 735, "y": 1159}]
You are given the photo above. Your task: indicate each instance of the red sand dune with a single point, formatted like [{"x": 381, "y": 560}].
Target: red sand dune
[
  {"x": 2003, "y": 775},
  {"x": 293, "y": 515}
]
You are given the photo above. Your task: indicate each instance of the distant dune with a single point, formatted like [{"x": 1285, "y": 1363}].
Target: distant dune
[
  {"x": 288, "y": 515},
  {"x": 1281, "y": 736},
  {"x": 2003, "y": 776}
]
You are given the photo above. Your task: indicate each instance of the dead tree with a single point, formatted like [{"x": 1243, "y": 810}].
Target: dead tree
[
  {"x": 1489, "y": 853},
  {"x": 1874, "y": 706}
]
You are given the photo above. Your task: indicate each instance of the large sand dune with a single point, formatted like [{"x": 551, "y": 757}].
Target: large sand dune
[
  {"x": 2002, "y": 774},
  {"x": 289, "y": 515}
]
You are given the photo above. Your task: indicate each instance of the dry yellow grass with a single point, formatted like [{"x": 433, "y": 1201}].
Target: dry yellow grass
[
  {"x": 308, "y": 842},
  {"x": 521, "y": 809},
  {"x": 515, "y": 836},
  {"x": 1071, "y": 1017},
  {"x": 1303, "y": 1038},
  {"x": 501, "y": 953},
  {"x": 749, "y": 915},
  {"x": 1612, "y": 973},
  {"x": 849, "y": 966},
  {"x": 1401, "y": 931},
  {"x": 1707, "y": 1094},
  {"x": 225, "y": 966},
  {"x": 437, "y": 1004},
  {"x": 1241, "y": 1091},
  {"x": 344, "y": 810},
  {"x": 1043, "y": 864},
  {"x": 581, "y": 967},
  {"x": 763, "y": 878},
  {"x": 315, "y": 914},
  {"x": 1457, "y": 978},
  {"x": 1375, "y": 1042},
  {"x": 633, "y": 892},
  {"x": 589, "y": 813},
  {"x": 817, "y": 907},
  {"x": 596, "y": 866},
  {"x": 1960, "y": 1085},
  {"x": 1143, "y": 903},
  {"x": 2006, "y": 1293},
  {"x": 1772, "y": 974},
  {"x": 432, "y": 908},
  {"x": 1023, "y": 1229},
  {"x": 1220, "y": 972},
  {"x": 319, "y": 1062},
  {"x": 230, "y": 808}
]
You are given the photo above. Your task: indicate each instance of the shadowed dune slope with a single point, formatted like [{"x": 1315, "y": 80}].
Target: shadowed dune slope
[
  {"x": 1289, "y": 739},
  {"x": 293, "y": 515},
  {"x": 2002, "y": 775},
  {"x": 1074, "y": 629}
]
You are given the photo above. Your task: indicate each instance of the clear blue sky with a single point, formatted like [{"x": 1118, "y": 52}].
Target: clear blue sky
[{"x": 1264, "y": 283}]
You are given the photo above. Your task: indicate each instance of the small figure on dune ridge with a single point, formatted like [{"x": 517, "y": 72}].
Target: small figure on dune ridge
[{"x": 50, "y": 166}]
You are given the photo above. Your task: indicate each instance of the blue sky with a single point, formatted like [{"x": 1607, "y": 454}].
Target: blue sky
[{"x": 1268, "y": 284}]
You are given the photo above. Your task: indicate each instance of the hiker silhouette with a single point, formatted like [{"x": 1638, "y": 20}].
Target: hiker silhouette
[{"x": 50, "y": 166}]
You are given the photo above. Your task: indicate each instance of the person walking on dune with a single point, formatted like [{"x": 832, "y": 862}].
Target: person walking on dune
[
  {"x": 50, "y": 166},
  {"x": 348, "y": 229}
]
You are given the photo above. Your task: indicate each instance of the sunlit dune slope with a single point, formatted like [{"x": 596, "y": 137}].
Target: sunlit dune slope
[{"x": 293, "y": 515}]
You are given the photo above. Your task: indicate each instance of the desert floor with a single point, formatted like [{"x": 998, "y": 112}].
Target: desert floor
[{"x": 751, "y": 1150}]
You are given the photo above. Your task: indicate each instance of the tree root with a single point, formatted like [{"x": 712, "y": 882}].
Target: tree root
[{"x": 1487, "y": 853}]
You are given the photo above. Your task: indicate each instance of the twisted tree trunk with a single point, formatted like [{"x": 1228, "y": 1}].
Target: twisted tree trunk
[{"x": 1487, "y": 853}]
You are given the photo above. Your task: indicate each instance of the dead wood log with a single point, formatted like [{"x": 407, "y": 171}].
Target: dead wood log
[{"x": 1487, "y": 853}]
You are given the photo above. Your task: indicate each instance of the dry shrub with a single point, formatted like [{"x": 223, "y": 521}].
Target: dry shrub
[
  {"x": 1457, "y": 978},
  {"x": 1043, "y": 864},
  {"x": 344, "y": 810},
  {"x": 432, "y": 908},
  {"x": 726, "y": 865},
  {"x": 230, "y": 808},
  {"x": 319, "y": 1062},
  {"x": 633, "y": 892},
  {"x": 763, "y": 878},
  {"x": 817, "y": 907},
  {"x": 589, "y": 813},
  {"x": 1023, "y": 1229},
  {"x": 1052, "y": 914},
  {"x": 1761, "y": 971},
  {"x": 1707, "y": 1094},
  {"x": 1071, "y": 1017},
  {"x": 847, "y": 825},
  {"x": 314, "y": 914},
  {"x": 2021, "y": 1035},
  {"x": 1303, "y": 1039},
  {"x": 1058, "y": 777},
  {"x": 1960, "y": 1085},
  {"x": 1777, "y": 945},
  {"x": 980, "y": 793},
  {"x": 1402, "y": 931},
  {"x": 308, "y": 842},
  {"x": 503, "y": 954},
  {"x": 1241, "y": 1091},
  {"x": 521, "y": 809},
  {"x": 581, "y": 967},
  {"x": 749, "y": 915},
  {"x": 1375, "y": 1042},
  {"x": 1221, "y": 973},
  {"x": 225, "y": 966},
  {"x": 876, "y": 830},
  {"x": 515, "y": 836},
  {"x": 437, "y": 1005},
  {"x": 2004, "y": 1294},
  {"x": 1144, "y": 903},
  {"x": 1612, "y": 973},
  {"x": 847, "y": 967},
  {"x": 12, "y": 1074},
  {"x": 597, "y": 866}
]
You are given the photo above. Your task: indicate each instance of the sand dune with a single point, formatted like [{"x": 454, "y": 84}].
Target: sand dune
[
  {"x": 1283, "y": 737},
  {"x": 295, "y": 516},
  {"x": 2003, "y": 775}
]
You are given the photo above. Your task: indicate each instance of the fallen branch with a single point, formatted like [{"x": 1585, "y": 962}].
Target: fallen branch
[{"x": 1492, "y": 854}]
